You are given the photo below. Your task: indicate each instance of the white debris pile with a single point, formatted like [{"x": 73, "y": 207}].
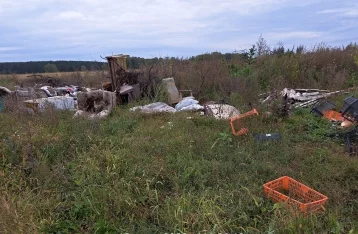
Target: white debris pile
[
  {"x": 221, "y": 111},
  {"x": 187, "y": 104},
  {"x": 155, "y": 107},
  {"x": 298, "y": 97}
]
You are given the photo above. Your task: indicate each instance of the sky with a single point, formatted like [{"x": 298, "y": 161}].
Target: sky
[{"x": 34, "y": 30}]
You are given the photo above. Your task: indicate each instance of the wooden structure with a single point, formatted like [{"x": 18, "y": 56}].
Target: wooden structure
[{"x": 117, "y": 65}]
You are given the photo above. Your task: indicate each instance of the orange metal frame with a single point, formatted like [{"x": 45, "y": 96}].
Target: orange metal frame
[{"x": 243, "y": 130}]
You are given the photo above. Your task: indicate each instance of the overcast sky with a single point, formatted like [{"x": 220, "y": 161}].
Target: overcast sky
[{"x": 32, "y": 30}]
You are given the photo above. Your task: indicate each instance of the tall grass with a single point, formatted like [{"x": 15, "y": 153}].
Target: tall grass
[
  {"x": 136, "y": 173},
  {"x": 166, "y": 173}
]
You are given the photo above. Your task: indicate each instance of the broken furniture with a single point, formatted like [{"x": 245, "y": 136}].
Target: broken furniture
[
  {"x": 123, "y": 83},
  {"x": 94, "y": 104},
  {"x": 23, "y": 94},
  {"x": 295, "y": 194},
  {"x": 129, "y": 92},
  {"x": 58, "y": 102},
  {"x": 174, "y": 95},
  {"x": 235, "y": 121}
]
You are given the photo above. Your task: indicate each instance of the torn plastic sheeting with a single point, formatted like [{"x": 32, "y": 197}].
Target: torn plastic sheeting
[
  {"x": 99, "y": 115},
  {"x": 221, "y": 111},
  {"x": 154, "y": 108},
  {"x": 193, "y": 107},
  {"x": 188, "y": 101}
]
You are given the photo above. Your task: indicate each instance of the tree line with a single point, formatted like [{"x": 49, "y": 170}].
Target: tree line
[{"x": 72, "y": 66}]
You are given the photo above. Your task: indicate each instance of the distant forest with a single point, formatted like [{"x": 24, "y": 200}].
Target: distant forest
[{"x": 71, "y": 66}]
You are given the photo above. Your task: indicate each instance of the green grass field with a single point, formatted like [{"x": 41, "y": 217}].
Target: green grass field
[{"x": 166, "y": 173}]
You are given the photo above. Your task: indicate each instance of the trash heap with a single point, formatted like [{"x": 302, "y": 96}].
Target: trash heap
[{"x": 298, "y": 97}]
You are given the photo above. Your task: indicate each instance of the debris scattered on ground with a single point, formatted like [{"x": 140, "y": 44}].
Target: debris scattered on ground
[
  {"x": 298, "y": 97},
  {"x": 351, "y": 107},
  {"x": 154, "y": 108},
  {"x": 234, "y": 122},
  {"x": 321, "y": 107},
  {"x": 188, "y": 104},
  {"x": 299, "y": 196},
  {"x": 267, "y": 137},
  {"x": 333, "y": 116},
  {"x": 4, "y": 91},
  {"x": 169, "y": 125},
  {"x": 220, "y": 111},
  {"x": 326, "y": 110},
  {"x": 59, "y": 103},
  {"x": 89, "y": 115},
  {"x": 97, "y": 103}
]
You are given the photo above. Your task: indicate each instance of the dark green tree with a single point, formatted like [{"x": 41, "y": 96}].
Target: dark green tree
[{"x": 50, "y": 67}]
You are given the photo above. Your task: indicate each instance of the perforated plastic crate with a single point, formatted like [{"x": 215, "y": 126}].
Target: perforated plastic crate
[{"x": 295, "y": 194}]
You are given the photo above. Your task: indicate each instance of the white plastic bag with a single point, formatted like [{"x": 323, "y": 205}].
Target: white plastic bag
[{"x": 185, "y": 102}]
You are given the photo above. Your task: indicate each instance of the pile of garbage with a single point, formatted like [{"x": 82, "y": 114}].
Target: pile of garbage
[
  {"x": 298, "y": 97},
  {"x": 175, "y": 97},
  {"x": 187, "y": 104},
  {"x": 85, "y": 101}
]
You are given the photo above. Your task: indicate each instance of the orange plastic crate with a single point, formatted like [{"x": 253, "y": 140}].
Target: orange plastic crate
[{"x": 299, "y": 195}]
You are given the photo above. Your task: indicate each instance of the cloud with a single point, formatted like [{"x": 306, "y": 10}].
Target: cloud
[
  {"x": 9, "y": 48},
  {"x": 293, "y": 34},
  {"x": 351, "y": 12},
  {"x": 143, "y": 27}
]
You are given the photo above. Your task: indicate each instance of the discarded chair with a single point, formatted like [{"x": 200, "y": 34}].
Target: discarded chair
[
  {"x": 234, "y": 120},
  {"x": 174, "y": 95}
]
